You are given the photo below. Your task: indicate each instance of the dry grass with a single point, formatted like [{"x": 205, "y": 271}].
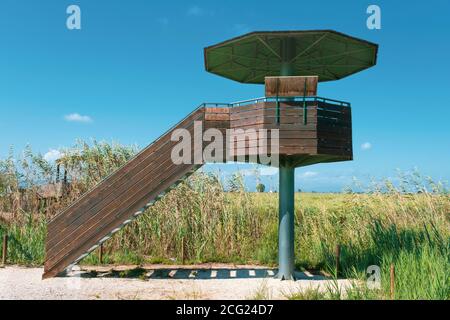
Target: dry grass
[{"x": 406, "y": 224}]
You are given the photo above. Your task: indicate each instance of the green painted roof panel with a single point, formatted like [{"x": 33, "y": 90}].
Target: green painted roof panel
[{"x": 326, "y": 53}]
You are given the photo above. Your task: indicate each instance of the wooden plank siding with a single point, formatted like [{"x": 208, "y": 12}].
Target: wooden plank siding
[
  {"x": 123, "y": 195},
  {"x": 327, "y": 130}
]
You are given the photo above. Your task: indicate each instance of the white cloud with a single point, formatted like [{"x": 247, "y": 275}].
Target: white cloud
[
  {"x": 262, "y": 171},
  {"x": 52, "y": 155},
  {"x": 268, "y": 171},
  {"x": 247, "y": 172},
  {"x": 366, "y": 146},
  {"x": 308, "y": 174},
  {"x": 76, "y": 117}
]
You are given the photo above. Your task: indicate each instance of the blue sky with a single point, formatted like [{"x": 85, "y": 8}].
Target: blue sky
[{"x": 136, "y": 68}]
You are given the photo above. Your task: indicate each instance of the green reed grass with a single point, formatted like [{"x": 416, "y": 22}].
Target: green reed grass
[{"x": 406, "y": 225}]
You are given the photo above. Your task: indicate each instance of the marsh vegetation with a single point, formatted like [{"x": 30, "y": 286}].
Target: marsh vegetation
[{"x": 406, "y": 224}]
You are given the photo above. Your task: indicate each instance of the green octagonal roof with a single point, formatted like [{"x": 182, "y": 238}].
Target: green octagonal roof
[{"x": 326, "y": 53}]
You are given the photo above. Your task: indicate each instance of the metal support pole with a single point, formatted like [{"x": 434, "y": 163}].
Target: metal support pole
[
  {"x": 287, "y": 191},
  {"x": 286, "y": 224}
]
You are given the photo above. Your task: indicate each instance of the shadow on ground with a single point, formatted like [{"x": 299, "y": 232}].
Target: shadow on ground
[{"x": 193, "y": 274}]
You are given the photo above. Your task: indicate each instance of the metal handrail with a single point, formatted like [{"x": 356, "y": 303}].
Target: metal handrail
[{"x": 277, "y": 99}]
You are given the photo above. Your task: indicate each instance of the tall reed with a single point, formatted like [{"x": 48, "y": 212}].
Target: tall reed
[{"x": 205, "y": 219}]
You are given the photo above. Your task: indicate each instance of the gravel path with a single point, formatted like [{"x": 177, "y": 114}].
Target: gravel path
[{"x": 155, "y": 282}]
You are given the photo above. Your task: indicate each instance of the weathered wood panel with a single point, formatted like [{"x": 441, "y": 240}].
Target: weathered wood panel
[{"x": 334, "y": 130}]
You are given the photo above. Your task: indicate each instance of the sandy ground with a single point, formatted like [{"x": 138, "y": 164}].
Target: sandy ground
[{"x": 156, "y": 282}]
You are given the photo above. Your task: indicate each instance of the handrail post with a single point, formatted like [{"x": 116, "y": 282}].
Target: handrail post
[
  {"x": 304, "y": 104},
  {"x": 277, "y": 111},
  {"x": 278, "y": 103}
]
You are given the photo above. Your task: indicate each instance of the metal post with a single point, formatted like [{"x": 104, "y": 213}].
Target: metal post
[
  {"x": 286, "y": 224},
  {"x": 305, "y": 92},
  {"x": 392, "y": 282},
  {"x": 100, "y": 254}
]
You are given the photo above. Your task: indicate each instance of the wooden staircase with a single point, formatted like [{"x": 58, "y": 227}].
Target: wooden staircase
[{"x": 123, "y": 195}]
